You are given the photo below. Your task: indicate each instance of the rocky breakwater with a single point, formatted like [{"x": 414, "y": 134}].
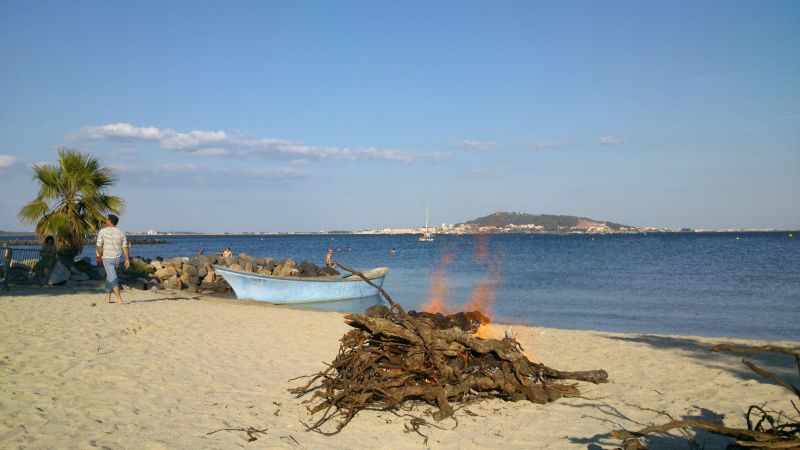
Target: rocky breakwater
[{"x": 197, "y": 274}]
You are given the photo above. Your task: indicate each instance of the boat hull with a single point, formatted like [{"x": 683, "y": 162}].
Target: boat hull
[{"x": 282, "y": 290}]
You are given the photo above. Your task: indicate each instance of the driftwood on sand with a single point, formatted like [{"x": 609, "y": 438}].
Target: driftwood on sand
[
  {"x": 765, "y": 429},
  {"x": 391, "y": 357}
]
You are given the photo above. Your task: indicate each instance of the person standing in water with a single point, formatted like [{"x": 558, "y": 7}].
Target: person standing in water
[{"x": 112, "y": 244}]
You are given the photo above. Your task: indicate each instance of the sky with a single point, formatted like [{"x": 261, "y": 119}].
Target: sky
[{"x": 311, "y": 116}]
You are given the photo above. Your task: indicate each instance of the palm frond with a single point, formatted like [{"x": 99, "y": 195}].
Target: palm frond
[
  {"x": 49, "y": 180},
  {"x": 33, "y": 211}
]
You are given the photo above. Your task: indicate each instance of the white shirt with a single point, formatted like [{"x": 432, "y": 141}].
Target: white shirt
[{"x": 112, "y": 240}]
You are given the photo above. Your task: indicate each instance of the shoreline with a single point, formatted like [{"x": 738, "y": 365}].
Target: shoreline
[
  {"x": 173, "y": 366},
  {"x": 440, "y": 232}
]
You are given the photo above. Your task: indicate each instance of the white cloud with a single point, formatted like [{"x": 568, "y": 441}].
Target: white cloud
[
  {"x": 545, "y": 144},
  {"x": 397, "y": 155},
  {"x": 221, "y": 143},
  {"x": 176, "y": 170},
  {"x": 477, "y": 145},
  {"x": 611, "y": 140},
  {"x": 7, "y": 161}
]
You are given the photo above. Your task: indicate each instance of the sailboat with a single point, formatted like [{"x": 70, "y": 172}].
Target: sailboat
[{"x": 426, "y": 235}]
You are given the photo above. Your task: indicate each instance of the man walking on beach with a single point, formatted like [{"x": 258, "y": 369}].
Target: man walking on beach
[{"x": 111, "y": 245}]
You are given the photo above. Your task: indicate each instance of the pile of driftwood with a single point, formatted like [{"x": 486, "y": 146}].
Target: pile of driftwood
[
  {"x": 391, "y": 357},
  {"x": 766, "y": 429}
]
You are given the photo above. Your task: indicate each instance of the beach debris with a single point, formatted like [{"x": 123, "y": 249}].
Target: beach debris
[
  {"x": 766, "y": 429},
  {"x": 252, "y": 432},
  {"x": 391, "y": 357}
]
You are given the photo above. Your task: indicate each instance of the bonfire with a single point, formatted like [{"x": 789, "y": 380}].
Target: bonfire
[{"x": 393, "y": 360}]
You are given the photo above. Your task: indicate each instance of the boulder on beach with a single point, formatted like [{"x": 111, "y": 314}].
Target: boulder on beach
[
  {"x": 166, "y": 272},
  {"x": 59, "y": 275},
  {"x": 189, "y": 268},
  {"x": 202, "y": 260},
  {"x": 308, "y": 269}
]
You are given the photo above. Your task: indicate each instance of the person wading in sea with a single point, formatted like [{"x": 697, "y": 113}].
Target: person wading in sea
[{"x": 111, "y": 245}]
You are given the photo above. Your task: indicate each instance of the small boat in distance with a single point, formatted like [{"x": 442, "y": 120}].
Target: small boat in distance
[
  {"x": 426, "y": 235},
  {"x": 282, "y": 290}
]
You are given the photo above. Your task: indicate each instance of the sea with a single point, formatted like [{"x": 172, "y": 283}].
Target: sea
[{"x": 735, "y": 285}]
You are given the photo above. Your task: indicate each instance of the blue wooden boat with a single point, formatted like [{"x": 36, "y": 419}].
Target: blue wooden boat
[{"x": 280, "y": 290}]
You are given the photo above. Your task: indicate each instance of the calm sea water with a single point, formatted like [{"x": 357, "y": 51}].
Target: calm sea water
[{"x": 691, "y": 283}]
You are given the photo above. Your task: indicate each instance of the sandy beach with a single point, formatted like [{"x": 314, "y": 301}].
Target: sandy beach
[{"x": 171, "y": 367}]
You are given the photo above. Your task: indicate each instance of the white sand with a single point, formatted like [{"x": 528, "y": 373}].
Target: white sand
[{"x": 167, "y": 369}]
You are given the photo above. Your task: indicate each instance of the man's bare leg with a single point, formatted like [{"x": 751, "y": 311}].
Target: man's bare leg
[{"x": 119, "y": 297}]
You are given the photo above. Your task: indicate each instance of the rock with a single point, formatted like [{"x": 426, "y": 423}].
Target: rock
[
  {"x": 85, "y": 260},
  {"x": 166, "y": 272},
  {"x": 220, "y": 286},
  {"x": 202, "y": 271},
  {"x": 172, "y": 283},
  {"x": 230, "y": 261},
  {"x": 328, "y": 272},
  {"x": 210, "y": 276},
  {"x": 235, "y": 267},
  {"x": 194, "y": 281},
  {"x": 285, "y": 269},
  {"x": 78, "y": 276},
  {"x": 137, "y": 283},
  {"x": 294, "y": 272},
  {"x": 245, "y": 257},
  {"x": 308, "y": 269},
  {"x": 156, "y": 264},
  {"x": 154, "y": 287},
  {"x": 216, "y": 286},
  {"x": 59, "y": 275},
  {"x": 202, "y": 260},
  {"x": 191, "y": 288},
  {"x": 248, "y": 267},
  {"x": 184, "y": 278},
  {"x": 188, "y": 268}
]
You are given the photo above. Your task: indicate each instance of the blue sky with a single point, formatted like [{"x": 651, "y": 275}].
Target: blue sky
[{"x": 308, "y": 116}]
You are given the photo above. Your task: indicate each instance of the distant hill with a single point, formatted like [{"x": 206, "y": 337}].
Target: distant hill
[{"x": 549, "y": 222}]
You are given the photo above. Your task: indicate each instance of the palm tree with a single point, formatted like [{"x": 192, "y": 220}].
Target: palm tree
[{"x": 72, "y": 200}]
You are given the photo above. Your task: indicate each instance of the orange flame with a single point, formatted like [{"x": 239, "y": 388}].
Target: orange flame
[
  {"x": 482, "y": 297},
  {"x": 437, "y": 299},
  {"x": 483, "y": 294},
  {"x": 483, "y": 331}
]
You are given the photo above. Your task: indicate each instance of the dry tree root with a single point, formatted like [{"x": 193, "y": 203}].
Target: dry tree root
[
  {"x": 390, "y": 357},
  {"x": 765, "y": 429}
]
